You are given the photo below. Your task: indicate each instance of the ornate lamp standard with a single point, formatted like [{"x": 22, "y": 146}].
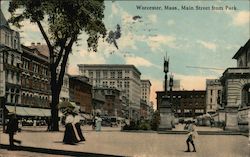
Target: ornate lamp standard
[{"x": 165, "y": 106}]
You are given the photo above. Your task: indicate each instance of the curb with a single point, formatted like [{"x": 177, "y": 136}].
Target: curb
[{"x": 57, "y": 152}]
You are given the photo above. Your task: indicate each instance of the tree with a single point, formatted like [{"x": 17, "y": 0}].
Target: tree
[
  {"x": 65, "y": 20},
  {"x": 155, "y": 120}
]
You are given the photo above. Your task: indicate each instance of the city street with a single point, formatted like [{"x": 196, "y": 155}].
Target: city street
[{"x": 113, "y": 142}]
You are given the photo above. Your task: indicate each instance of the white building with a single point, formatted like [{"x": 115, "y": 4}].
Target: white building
[
  {"x": 236, "y": 91},
  {"x": 145, "y": 90},
  {"x": 213, "y": 95},
  {"x": 125, "y": 78},
  {"x": 10, "y": 68}
]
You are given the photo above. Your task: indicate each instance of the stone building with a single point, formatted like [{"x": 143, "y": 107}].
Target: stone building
[
  {"x": 10, "y": 55},
  {"x": 125, "y": 78},
  {"x": 213, "y": 95},
  {"x": 236, "y": 91}
]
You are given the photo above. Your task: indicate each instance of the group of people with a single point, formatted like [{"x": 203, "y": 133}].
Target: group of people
[{"x": 73, "y": 133}]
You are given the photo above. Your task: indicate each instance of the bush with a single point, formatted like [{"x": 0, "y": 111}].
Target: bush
[
  {"x": 144, "y": 126},
  {"x": 155, "y": 121}
]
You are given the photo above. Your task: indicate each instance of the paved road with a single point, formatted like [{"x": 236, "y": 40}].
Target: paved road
[{"x": 113, "y": 142}]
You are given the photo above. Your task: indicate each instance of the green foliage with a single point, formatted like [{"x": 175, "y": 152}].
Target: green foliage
[
  {"x": 155, "y": 120},
  {"x": 65, "y": 18}
]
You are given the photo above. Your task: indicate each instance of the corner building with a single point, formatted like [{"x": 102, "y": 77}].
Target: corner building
[{"x": 125, "y": 78}]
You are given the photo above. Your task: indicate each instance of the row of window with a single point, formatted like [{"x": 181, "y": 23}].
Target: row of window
[
  {"x": 35, "y": 67},
  {"x": 113, "y": 74}
]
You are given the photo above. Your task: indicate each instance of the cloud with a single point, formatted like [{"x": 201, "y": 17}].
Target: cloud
[
  {"x": 208, "y": 45},
  {"x": 156, "y": 42},
  {"x": 152, "y": 18},
  {"x": 241, "y": 18},
  {"x": 170, "y": 22},
  {"x": 91, "y": 57},
  {"x": 138, "y": 61}
]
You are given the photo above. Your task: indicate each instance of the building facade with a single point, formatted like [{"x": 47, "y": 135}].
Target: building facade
[
  {"x": 125, "y": 78},
  {"x": 145, "y": 90},
  {"x": 213, "y": 95},
  {"x": 185, "y": 103},
  {"x": 81, "y": 93},
  {"x": 236, "y": 91},
  {"x": 11, "y": 52},
  {"x": 44, "y": 50},
  {"x": 35, "y": 79}
]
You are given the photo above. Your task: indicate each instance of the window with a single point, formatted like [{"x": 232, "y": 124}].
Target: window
[
  {"x": 211, "y": 92},
  {"x": 112, "y": 74},
  {"x": 211, "y": 100},
  {"x": 105, "y": 74},
  {"x": 6, "y": 57},
  {"x": 91, "y": 74},
  {"x": 119, "y": 74},
  {"x": 12, "y": 59}
]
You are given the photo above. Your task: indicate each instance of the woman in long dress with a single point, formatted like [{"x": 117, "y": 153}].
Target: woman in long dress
[
  {"x": 78, "y": 127},
  {"x": 98, "y": 122},
  {"x": 69, "y": 133}
]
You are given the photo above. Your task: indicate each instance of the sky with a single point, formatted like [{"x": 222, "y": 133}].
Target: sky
[{"x": 199, "y": 38}]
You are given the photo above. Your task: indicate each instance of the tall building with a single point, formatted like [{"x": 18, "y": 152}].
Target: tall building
[
  {"x": 145, "y": 90},
  {"x": 213, "y": 95},
  {"x": 10, "y": 55},
  {"x": 125, "y": 78}
]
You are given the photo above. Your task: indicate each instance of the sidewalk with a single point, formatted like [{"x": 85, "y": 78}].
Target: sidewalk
[{"x": 112, "y": 142}]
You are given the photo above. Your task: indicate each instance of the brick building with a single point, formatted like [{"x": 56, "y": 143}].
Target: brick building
[
  {"x": 80, "y": 92},
  {"x": 186, "y": 103}
]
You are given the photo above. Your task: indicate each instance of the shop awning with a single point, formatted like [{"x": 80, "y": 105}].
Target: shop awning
[
  {"x": 28, "y": 111},
  {"x": 18, "y": 110},
  {"x": 34, "y": 112},
  {"x": 46, "y": 112}
]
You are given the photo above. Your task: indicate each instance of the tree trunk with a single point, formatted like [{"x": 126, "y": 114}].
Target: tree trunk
[{"x": 55, "y": 100}]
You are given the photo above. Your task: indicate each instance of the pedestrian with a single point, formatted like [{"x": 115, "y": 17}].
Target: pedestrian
[
  {"x": 78, "y": 127},
  {"x": 70, "y": 133},
  {"x": 98, "y": 122},
  {"x": 93, "y": 122},
  {"x": 191, "y": 136},
  {"x": 12, "y": 128}
]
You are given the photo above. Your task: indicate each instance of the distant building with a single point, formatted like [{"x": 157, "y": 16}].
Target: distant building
[
  {"x": 113, "y": 104},
  {"x": 176, "y": 85},
  {"x": 81, "y": 93},
  {"x": 213, "y": 95},
  {"x": 126, "y": 78},
  {"x": 186, "y": 103},
  {"x": 145, "y": 90}
]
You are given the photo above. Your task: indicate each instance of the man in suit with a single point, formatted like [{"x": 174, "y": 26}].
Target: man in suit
[{"x": 12, "y": 128}]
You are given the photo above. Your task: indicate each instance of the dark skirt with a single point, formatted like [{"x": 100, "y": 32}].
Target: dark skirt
[
  {"x": 69, "y": 135},
  {"x": 79, "y": 131}
]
